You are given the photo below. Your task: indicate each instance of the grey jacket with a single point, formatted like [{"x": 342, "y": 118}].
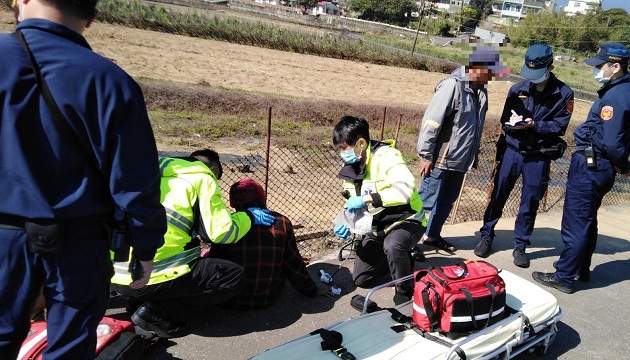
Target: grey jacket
[{"x": 451, "y": 128}]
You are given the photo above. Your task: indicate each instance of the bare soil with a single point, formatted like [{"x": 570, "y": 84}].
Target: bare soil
[{"x": 153, "y": 55}]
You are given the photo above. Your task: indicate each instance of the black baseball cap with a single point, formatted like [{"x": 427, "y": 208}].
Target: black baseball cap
[
  {"x": 538, "y": 59},
  {"x": 609, "y": 52}
]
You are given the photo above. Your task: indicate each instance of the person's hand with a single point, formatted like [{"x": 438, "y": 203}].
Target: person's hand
[
  {"x": 525, "y": 124},
  {"x": 261, "y": 216},
  {"x": 514, "y": 118},
  {"x": 425, "y": 167},
  {"x": 342, "y": 231},
  {"x": 355, "y": 202},
  {"x": 147, "y": 268}
]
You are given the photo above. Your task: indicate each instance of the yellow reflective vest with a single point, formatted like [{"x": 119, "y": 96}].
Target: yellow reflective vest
[
  {"x": 192, "y": 198},
  {"x": 387, "y": 174}
]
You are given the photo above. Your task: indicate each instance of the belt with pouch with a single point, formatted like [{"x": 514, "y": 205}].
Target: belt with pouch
[
  {"x": 15, "y": 221},
  {"x": 12, "y": 221}
]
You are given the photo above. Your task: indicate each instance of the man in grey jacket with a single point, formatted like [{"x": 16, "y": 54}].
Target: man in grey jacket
[{"x": 449, "y": 137}]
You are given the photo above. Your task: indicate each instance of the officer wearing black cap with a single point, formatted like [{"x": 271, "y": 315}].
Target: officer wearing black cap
[
  {"x": 602, "y": 144},
  {"x": 536, "y": 114}
]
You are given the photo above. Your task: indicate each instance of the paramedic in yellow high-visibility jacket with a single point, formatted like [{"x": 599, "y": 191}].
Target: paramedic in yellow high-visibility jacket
[
  {"x": 191, "y": 196},
  {"x": 376, "y": 178}
]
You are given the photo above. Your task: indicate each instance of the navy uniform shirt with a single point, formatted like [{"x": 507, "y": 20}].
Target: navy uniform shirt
[
  {"x": 607, "y": 125},
  {"x": 42, "y": 175},
  {"x": 550, "y": 109}
]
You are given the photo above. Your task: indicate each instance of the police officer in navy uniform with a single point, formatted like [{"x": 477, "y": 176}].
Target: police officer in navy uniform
[
  {"x": 602, "y": 145},
  {"x": 536, "y": 114},
  {"x": 58, "y": 195}
]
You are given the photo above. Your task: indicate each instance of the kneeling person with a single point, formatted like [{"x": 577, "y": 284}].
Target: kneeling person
[
  {"x": 378, "y": 179},
  {"x": 191, "y": 195}
]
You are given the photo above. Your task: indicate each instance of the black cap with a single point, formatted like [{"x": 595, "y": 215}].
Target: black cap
[
  {"x": 609, "y": 52},
  {"x": 538, "y": 59}
]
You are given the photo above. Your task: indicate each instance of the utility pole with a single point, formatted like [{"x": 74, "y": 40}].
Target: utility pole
[
  {"x": 418, "y": 29},
  {"x": 426, "y": 26},
  {"x": 461, "y": 15}
]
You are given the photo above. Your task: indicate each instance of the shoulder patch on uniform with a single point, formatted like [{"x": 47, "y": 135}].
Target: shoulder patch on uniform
[
  {"x": 570, "y": 106},
  {"x": 606, "y": 113}
]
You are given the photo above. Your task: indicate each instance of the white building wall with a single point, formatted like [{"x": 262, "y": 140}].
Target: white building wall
[{"x": 581, "y": 6}]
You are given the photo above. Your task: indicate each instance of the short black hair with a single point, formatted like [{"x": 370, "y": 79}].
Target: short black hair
[
  {"x": 83, "y": 9},
  {"x": 350, "y": 129},
  {"x": 210, "y": 158}
]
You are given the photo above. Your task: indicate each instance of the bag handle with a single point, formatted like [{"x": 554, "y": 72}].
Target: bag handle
[
  {"x": 460, "y": 264},
  {"x": 428, "y": 307},
  {"x": 471, "y": 306}
]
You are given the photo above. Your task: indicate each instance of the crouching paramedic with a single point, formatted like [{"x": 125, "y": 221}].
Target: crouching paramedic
[
  {"x": 377, "y": 178},
  {"x": 191, "y": 196}
]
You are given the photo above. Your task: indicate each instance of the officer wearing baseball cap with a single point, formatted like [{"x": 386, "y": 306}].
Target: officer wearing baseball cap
[
  {"x": 602, "y": 146},
  {"x": 536, "y": 114}
]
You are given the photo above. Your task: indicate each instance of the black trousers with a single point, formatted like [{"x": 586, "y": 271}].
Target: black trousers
[
  {"x": 378, "y": 256},
  {"x": 210, "y": 281}
]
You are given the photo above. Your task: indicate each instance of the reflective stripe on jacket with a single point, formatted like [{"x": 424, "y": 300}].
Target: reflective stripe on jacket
[
  {"x": 387, "y": 174},
  {"x": 191, "y": 195}
]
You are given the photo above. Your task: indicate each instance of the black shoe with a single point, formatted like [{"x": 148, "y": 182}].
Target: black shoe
[
  {"x": 441, "y": 244},
  {"x": 520, "y": 258},
  {"x": 402, "y": 297},
  {"x": 583, "y": 276},
  {"x": 483, "y": 248},
  {"x": 133, "y": 304},
  {"x": 153, "y": 319},
  {"x": 415, "y": 256},
  {"x": 548, "y": 279}
]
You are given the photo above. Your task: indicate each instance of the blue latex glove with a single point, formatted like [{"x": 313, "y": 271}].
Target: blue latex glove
[
  {"x": 261, "y": 216},
  {"x": 342, "y": 231},
  {"x": 355, "y": 202}
]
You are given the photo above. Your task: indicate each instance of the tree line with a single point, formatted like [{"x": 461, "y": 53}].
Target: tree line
[{"x": 581, "y": 33}]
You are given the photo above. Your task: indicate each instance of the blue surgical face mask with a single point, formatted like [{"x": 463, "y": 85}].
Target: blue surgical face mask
[
  {"x": 598, "y": 75},
  {"x": 348, "y": 156},
  {"x": 542, "y": 78}
]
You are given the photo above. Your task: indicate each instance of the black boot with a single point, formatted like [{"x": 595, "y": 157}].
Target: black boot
[{"x": 151, "y": 318}]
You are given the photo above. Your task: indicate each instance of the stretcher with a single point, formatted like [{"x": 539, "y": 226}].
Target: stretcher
[{"x": 530, "y": 326}]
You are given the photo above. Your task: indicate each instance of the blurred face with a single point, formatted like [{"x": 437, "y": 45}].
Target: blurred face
[{"x": 479, "y": 75}]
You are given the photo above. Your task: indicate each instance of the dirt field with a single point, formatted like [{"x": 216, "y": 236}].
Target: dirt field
[{"x": 147, "y": 54}]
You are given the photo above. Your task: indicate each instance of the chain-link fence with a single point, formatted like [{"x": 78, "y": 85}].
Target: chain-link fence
[{"x": 302, "y": 185}]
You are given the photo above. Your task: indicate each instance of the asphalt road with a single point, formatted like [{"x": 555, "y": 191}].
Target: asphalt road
[{"x": 593, "y": 327}]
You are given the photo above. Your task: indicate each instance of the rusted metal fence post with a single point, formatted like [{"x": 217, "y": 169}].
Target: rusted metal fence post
[
  {"x": 383, "y": 123},
  {"x": 267, "y": 151},
  {"x": 459, "y": 197},
  {"x": 398, "y": 128}
]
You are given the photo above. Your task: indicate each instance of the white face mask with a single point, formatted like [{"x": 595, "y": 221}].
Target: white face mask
[
  {"x": 541, "y": 79},
  {"x": 598, "y": 75}
]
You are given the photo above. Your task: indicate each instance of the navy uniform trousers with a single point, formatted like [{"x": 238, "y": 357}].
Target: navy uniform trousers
[
  {"x": 585, "y": 189},
  {"x": 535, "y": 172},
  {"x": 76, "y": 288}
]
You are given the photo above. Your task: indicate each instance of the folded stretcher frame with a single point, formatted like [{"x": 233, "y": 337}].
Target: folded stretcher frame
[{"x": 532, "y": 327}]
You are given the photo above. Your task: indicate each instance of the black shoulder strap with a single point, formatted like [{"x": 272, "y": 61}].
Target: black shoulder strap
[{"x": 79, "y": 143}]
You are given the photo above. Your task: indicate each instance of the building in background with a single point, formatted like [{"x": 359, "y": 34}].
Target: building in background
[
  {"x": 582, "y": 6},
  {"x": 519, "y": 9}
]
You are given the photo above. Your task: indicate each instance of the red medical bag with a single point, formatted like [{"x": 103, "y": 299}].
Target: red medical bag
[{"x": 458, "y": 299}]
